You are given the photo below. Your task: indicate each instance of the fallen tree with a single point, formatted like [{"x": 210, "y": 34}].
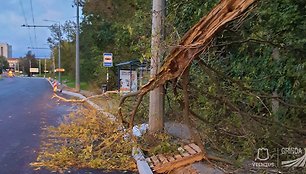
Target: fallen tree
[
  {"x": 195, "y": 42},
  {"x": 177, "y": 64}
]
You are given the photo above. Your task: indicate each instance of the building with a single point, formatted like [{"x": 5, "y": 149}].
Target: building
[
  {"x": 13, "y": 63},
  {"x": 5, "y": 50}
]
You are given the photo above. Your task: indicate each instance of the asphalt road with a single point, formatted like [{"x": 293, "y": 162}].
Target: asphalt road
[{"x": 25, "y": 108}]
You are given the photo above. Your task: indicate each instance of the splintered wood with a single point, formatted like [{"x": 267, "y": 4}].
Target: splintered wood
[
  {"x": 163, "y": 163},
  {"x": 197, "y": 40}
]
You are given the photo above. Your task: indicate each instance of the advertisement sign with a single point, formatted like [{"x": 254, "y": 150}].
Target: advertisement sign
[
  {"x": 34, "y": 70},
  {"x": 107, "y": 59},
  {"x": 59, "y": 70},
  {"x": 128, "y": 81}
]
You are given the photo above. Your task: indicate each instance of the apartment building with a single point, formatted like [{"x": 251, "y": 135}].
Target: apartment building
[{"x": 5, "y": 50}]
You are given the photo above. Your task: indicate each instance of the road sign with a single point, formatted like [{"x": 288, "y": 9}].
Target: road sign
[
  {"x": 35, "y": 70},
  {"x": 107, "y": 59},
  {"x": 59, "y": 70}
]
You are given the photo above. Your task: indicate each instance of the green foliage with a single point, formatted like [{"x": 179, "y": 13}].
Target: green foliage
[
  {"x": 85, "y": 139},
  {"x": 3, "y": 63},
  {"x": 106, "y": 28},
  {"x": 182, "y": 14},
  {"x": 27, "y": 62}
]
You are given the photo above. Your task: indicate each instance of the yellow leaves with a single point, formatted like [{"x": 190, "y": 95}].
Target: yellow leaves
[{"x": 86, "y": 139}]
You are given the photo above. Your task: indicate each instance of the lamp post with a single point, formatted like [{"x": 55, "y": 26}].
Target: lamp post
[
  {"x": 77, "y": 50},
  {"x": 59, "y": 47},
  {"x": 59, "y": 44}
]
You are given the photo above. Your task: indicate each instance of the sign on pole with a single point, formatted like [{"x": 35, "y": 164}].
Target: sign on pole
[
  {"x": 59, "y": 70},
  {"x": 34, "y": 70},
  {"x": 107, "y": 59}
]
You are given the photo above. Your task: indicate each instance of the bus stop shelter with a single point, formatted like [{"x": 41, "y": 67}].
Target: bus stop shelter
[{"x": 131, "y": 75}]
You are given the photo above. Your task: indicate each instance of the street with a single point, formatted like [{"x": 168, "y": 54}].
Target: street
[{"x": 25, "y": 108}]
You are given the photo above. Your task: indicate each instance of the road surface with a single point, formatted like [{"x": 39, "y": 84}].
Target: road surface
[{"x": 25, "y": 108}]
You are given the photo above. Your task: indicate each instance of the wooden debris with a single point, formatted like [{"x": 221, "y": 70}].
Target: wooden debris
[{"x": 164, "y": 163}]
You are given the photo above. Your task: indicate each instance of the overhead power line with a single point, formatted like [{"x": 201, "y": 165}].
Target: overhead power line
[
  {"x": 26, "y": 21},
  {"x": 33, "y": 22}
]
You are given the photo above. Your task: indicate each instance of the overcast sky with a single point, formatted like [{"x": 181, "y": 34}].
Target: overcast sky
[{"x": 14, "y": 13}]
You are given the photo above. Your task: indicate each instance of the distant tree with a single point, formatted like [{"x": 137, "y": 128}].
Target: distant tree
[
  {"x": 27, "y": 62},
  {"x": 66, "y": 35},
  {"x": 3, "y": 63}
]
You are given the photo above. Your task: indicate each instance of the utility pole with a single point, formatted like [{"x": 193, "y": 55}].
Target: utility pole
[
  {"x": 30, "y": 66},
  {"x": 45, "y": 67},
  {"x": 77, "y": 51},
  {"x": 59, "y": 52},
  {"x": 53, "y": 65},
  {"x": 156, "y": 107},
  {"x": 39, "y": 67}
]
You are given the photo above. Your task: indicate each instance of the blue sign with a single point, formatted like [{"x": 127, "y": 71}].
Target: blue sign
[
  {"x": 107, "y": 64},
  {"x": 107, "y": 59}
]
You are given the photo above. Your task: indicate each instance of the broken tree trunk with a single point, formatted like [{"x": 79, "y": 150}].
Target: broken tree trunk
[{"x": 197, "y": 40}]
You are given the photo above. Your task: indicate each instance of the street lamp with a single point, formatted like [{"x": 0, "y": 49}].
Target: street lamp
[{"x": 59, "y": 44}]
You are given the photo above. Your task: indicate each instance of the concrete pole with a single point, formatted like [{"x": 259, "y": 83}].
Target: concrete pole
[
  {"x": 45, "y": 67},
  {"x": 39, "y": 67},
  {"x": 77, "y": 52},
  {"x": 59, "y": 52},
  {"x": 30, "y": 66},
  {"x": 53, "y": 65},
  {"x": 156, "y": 107}
]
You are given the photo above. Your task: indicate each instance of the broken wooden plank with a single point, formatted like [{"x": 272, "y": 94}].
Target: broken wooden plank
[
  {"x": 195, "y": 147},
  {"x": 178, "y": 163},
  {"x": 170, "y": 158},
  {"x": 189, "y": 150},
  {"x": 150, "y": 162},
  {"x": 183, "y": 152},
  {"x": 178, "y": 156},
  {"x": 155, "y": 160},
  {"x": 162, "y": 159},
  {"x": 187, "y": 155}
]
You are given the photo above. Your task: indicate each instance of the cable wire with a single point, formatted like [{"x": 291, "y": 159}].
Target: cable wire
[
  {"x": 33, "y": 22},
  {"x": 26, "y": 21}
]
